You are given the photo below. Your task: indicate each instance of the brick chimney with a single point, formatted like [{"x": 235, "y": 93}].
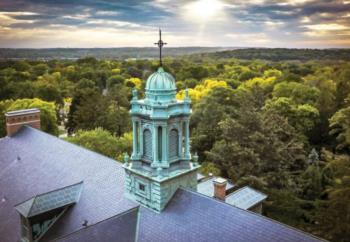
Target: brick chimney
[
  {"x": 16, "y": 119},
  {"x": 220, "y": 188}
]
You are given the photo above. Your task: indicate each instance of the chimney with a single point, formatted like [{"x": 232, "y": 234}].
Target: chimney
[
  {"x": 16, "y": 119},
  {"x": 220, "y": 188}
]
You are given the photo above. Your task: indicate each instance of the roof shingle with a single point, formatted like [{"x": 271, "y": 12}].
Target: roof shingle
[
  {"x": 33, "y": 162},
  {"x": 191, "y": 216}
]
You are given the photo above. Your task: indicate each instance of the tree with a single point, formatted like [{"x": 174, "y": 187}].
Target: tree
[
  {"x": 208, "y": 168},
  {"x": 299, "y": 93},
  {"x": 98, "y": 140},
  {"x": 49, "y": 92},
  {"x": 90, "y": 110},
  {"x": 116, "y": 119},
  {"x": 245, "y": 147},
  {"x": 84, "y": 88},
  {"x": 201, "y": 90},
  {"x": 265, "y": 84},
  {"x": 312, "y": 184},
  {"x": 115, "y": 80},
  {"x": 343, "y": 85},
  {"x": 333, "y": 216},
  {"x": 103, "y": 142},
  {"x": 25, "y": 89},
  {"x": 47, "y": 112},
  {"x": 303, "y": 117},
  {"x": 326, "y": 103},
  {"x": 340, "y": 128},
  {"x": 248, "y": 74},
  {"x": 22, "y": 66},
  {"x": 124, "y": 145},
  {"x": 4, "y": 106},
  {"x": 40, "y": 69},
  {"x": 327, "y": 87},
  {"x": 212, "y": 108},
  {"x": 134, "y": 82}
]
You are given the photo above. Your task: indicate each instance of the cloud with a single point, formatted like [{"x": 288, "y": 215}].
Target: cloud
[
  {"x": 326, "y": 27},
  {"x": 251, "y": 39},
  {"x": 278, "y": 23}
]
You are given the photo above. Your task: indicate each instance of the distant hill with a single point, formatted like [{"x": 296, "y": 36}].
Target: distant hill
[
  {"x": 280, "y": 54},
  {"x": 272, "y": 54},
  {"x": 103, "y": 53}
]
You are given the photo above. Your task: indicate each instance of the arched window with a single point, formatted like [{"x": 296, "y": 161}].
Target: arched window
[
  {"x": 173, "y": 144},
  {"x": 147, "y": 144}
]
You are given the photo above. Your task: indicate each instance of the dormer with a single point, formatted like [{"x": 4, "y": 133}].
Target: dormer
[{"x": 39, "y": 213}]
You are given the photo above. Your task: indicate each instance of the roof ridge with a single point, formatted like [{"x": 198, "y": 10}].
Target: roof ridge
[
  {"x": 79, "y": 146},
  {"x": 41, "y": 194},
  {"x": 255, "y": 190},
  {"x": 110, "y": 218},
  {"x": 31, "y": 206}
]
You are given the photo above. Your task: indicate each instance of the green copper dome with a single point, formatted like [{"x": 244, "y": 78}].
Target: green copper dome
[
  {"x": 160, "y": 87},
  {"x": 160, "y": 80}
]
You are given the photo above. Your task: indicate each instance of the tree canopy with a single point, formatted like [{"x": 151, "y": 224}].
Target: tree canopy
[{"x": 282, "y": 127}]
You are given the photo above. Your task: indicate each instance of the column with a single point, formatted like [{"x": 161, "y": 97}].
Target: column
[
  {"x": 165, "y": 144},
  {"x": 180, "y": 141},
  {"x": 134, "y": 140},
  {"x": 155, "y": 144},
  {"x": 141, "y": 140},
  {"x": 187, "y": 137}
]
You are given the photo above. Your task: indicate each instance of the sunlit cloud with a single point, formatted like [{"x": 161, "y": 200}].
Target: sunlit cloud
[
  {"x": 77, "y": 16},
  {"x": 18, "y": 13},
  {"x": 305, "y": 20},
  {"x": 326, "y": 27},
  {"x": 270, "y": 23},
  {"x": 274, "y": 23},
  {"x": 204, "y": 10},
  {"x": 114, "y": 23},
  {"x": 106, "y": 13},
  {"x": 7, "y": 18}
]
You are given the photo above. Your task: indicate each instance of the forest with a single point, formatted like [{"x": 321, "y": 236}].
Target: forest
[
  {"x": 280, "y": 126},
  {"x": 102, "y": 53}
]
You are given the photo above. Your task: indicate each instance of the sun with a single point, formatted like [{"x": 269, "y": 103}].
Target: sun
[{"x": 204, "y": 9}]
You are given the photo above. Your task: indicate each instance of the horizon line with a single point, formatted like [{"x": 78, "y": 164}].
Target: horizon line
[{"x": 151, "y": 47}]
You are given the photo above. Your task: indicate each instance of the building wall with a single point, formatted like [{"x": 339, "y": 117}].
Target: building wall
[
  {"x": 257, "y": 208},
  {"x": 157, "y": 194}
]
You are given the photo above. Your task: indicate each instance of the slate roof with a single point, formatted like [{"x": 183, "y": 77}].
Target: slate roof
[
  {"x": 119, "y": 228},
  {"x": 245, "y": 198},
  {"x": 190, "y": 216},
  {"x": 33, "y": 162},
  {"x": 207, "y": 188}
]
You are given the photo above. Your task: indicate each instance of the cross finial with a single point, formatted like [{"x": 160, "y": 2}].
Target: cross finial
[{"x": 160, "y": 45}]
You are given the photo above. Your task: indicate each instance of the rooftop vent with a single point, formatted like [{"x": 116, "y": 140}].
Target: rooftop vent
[{"x": 85, "y": 223}]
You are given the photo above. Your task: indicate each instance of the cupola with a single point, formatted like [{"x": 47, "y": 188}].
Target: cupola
[
  {"x": 161, "y": 161},
  {"x": 160, "y": 86}
]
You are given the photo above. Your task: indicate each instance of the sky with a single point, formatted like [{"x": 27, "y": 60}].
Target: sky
[{"x": 122, "y": 23}]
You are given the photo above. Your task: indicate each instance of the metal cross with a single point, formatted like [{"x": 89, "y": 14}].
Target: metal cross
[{"x": 160, "y": 45}]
